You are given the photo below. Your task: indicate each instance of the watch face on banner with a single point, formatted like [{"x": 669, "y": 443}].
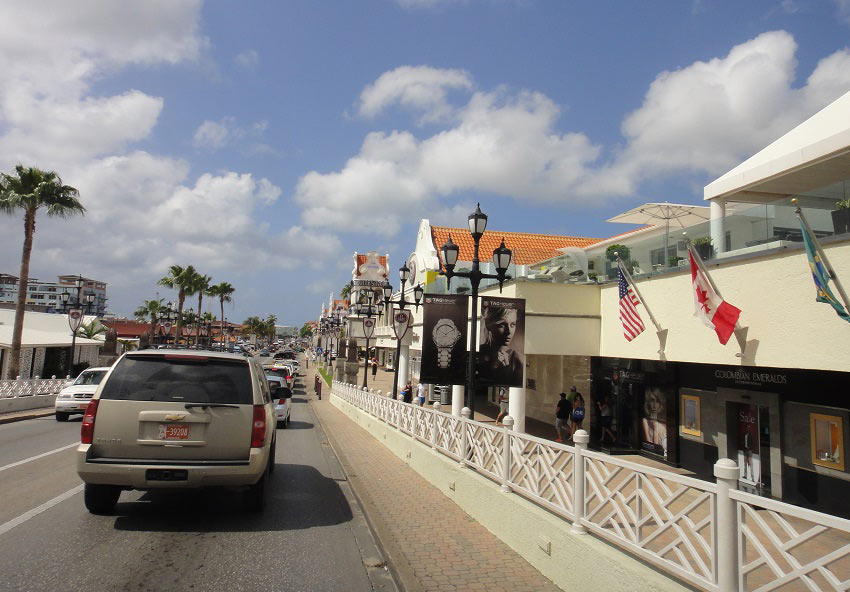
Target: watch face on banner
[
  {"x": 401, "y": 323},
  {"x": 368, "y": 328},
  {"x": 444, "y": 336}
]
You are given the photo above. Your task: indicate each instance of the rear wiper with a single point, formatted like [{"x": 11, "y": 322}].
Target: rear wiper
[{"x": 208, "y": 405}]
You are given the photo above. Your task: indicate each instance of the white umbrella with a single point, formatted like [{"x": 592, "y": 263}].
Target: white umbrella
[{"x": 653, "y": 213}]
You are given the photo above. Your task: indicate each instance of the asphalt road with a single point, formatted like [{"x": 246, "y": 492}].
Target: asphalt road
[{"x": 312, "y": 535}]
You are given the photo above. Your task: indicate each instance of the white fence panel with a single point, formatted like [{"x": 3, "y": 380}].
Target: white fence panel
[{"x": 543, "y": 471}]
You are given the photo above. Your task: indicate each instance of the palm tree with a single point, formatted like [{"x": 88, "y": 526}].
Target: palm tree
[
  {"x": 180, "y": 279},
  {"x": 28, "y": 190},
  {"x": 152, "y": 309},
  {"x": 223, "y": 292},
  {"x": 91, "y": 330},
  {"x": 202, "y": 284}
]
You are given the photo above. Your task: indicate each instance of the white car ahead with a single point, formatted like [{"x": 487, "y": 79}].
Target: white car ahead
[
  {"x": 282, "y": 397},
  {"x": 75, "y": 397}
]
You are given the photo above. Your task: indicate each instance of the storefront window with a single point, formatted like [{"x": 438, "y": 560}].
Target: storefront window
[
  {"x": 691, "y": 415},
  {"x": 827, "y": 441}
]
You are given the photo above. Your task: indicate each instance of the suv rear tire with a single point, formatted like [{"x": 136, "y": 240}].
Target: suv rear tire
[
  {"x": 255, "y": 497},
  {"x": 101, "y": 499}
]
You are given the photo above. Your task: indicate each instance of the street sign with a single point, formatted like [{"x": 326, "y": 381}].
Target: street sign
[{"x": 368, "y": 328}]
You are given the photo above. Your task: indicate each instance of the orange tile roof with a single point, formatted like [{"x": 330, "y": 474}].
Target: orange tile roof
[
  {"x": 361, "y": 259},
  {"x": 527, "y": 248},
  {"x": 127, "y": 328}
]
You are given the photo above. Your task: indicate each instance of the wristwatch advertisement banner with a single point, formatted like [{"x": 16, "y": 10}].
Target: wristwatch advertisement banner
[
  {"x": 444, "y": 336},
  {"x": 401, "y": 322},
  {"x": 501, "y": 349}
]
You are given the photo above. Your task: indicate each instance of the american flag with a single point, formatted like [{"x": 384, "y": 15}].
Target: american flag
[{"x": 632, "y": 325}]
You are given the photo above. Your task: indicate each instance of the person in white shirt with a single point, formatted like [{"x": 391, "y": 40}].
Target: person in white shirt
[{"x": 420, "y": 394}]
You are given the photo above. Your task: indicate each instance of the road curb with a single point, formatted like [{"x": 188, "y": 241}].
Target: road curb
[{"x": 34, "y": 414}]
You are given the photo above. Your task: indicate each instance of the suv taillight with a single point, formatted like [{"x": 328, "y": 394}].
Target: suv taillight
[
  {"x": 87, "y": 429},
  {"x": 258, "y": 427}
]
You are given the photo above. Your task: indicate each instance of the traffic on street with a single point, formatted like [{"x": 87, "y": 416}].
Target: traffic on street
[{"x": 307, "y": 537}]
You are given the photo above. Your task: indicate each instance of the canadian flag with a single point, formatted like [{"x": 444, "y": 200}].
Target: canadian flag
[{"x": 710, "y": 307}]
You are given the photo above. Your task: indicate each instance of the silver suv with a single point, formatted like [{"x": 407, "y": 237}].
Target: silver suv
[{"x": 177, "y": 419}]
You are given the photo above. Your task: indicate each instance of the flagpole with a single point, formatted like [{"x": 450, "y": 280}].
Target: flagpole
[
  {"x": 823, "y": 258},
  {"x": 639, "y": 295}
]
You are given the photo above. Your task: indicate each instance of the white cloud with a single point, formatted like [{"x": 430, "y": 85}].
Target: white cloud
[
  {"x": 210, "y": 135},
  {"x": 843, "y": 7},
  {"x": 704, "y": 119},
  {"x": 416, "y": 87},
  {"x": 248, "y": 60},
  {"x": 214, "y": 135}
]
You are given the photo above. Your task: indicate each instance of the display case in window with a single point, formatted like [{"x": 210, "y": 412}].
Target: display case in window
[
  {"x": 827, "y": 435},
  {"x": 691, "y": 416}
]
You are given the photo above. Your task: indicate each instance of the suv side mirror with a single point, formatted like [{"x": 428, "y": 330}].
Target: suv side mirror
[
  {"x": 273, "y": 386},
  {"x": 285, "y": 393}
]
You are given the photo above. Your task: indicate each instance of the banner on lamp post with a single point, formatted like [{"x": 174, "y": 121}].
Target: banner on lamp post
[
  {"x": 368, "y": 327},
  {"x": 444, "y": 336},
  {"x": 75, "y": 319},
  {"x": 501, "y": 349},
  {"x": 401, "y": 323}
]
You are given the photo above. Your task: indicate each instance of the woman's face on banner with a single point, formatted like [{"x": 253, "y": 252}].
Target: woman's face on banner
[{"x": 502, "y": 331}]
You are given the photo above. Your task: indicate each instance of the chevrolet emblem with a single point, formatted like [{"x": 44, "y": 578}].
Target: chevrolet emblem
[{"x": 175, "y": 417}]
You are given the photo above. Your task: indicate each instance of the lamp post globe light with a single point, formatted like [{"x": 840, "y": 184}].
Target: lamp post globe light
[
  {"x": 402, "y": 302},
  {"x": 75, "y": 309},
  {"x": 501, "y": 259}
]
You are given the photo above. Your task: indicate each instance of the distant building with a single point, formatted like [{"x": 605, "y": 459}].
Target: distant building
[
  {"x": 47, "y": 296},
  {"x": 285, "y": 331}
]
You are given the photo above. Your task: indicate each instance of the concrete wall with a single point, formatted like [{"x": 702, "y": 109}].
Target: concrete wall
[
  {"x": 776, "y": 296},
  {"x": 11, "y": 404},
  {"x": 573, "y": 562}
]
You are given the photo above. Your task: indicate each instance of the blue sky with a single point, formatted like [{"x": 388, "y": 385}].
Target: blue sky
[{"x": 265, "y": 142}]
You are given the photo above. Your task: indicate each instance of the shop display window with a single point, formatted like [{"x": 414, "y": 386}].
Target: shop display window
[
  {"x": 691, "y": 415},
  {"x": 827, "y": 433}
]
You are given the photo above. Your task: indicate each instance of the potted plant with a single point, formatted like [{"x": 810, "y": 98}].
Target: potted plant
[
  {"x": 841, "y": 216},
  {"x": 703, "y": 247},
  {"x": 673, "y": 260}
]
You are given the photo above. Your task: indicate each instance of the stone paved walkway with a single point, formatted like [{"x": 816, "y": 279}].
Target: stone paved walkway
[{"x": 432, "y": 544}]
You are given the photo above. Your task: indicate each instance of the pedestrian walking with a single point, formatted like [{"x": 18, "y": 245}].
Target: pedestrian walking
[
  {"x": 407, "y": 393},
  {"x": 503, "y": 405},
  {"x": 374, "y": 367},
  {"x": 562, "y": 417},
  {"x": 420, "y": 394},
  {"x": 317, "y": 386},
  {"x": 577, "y": 414}
]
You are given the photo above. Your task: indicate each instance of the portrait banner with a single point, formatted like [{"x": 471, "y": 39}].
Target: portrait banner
[
  {"x": 444, "y": 335},
  {"x": 401, "y": 322},
  {"x": 501, "y": 345}
]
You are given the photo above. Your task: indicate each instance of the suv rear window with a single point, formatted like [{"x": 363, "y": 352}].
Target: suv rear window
[{"x": 185, "y": 380}]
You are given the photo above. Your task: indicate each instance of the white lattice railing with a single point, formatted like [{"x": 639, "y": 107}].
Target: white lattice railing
[
  {"x": 32, "y": 386},
  {"x": 706, "y": 534}
]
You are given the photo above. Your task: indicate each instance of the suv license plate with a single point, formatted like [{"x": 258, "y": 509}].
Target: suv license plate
[
  {"x": 167, "y": 475},
  {"x": 173, "y": 431}
]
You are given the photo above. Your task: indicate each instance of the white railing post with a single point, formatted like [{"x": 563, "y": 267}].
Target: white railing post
[
  {"x": 507, "y": 427},
  {"x": 435, "y": 417},
  {"x": 580, "y": 438},
  {"x": 464, "y": 413},
  {"x": 380, "y": 394},
  {"x": 726, "y": 471}
]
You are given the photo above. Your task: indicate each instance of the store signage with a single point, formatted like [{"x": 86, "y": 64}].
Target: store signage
[
  {"x": 751, "y": 378},
  {"x": 75, "y": 319},
  {"x": 368, "y": 327}
]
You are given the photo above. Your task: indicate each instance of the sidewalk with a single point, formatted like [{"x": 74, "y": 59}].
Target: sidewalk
[
  {"x": 430, "y": 542},
  {"x": 26, "y": 414}
]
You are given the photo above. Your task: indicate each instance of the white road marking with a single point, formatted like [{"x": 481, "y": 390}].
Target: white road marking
[
  {"x": 4, "y": 528},
  {"x": 38, "y": 456}
]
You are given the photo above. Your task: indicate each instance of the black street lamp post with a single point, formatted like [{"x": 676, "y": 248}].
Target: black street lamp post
[
  {"x": 402, "y": 302},
  {"x": 169, "y": 316},
  {"x": 501, "y": 259},
  {"x": 369, "y": 311},
  {"x": 74, "y": 311}
]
